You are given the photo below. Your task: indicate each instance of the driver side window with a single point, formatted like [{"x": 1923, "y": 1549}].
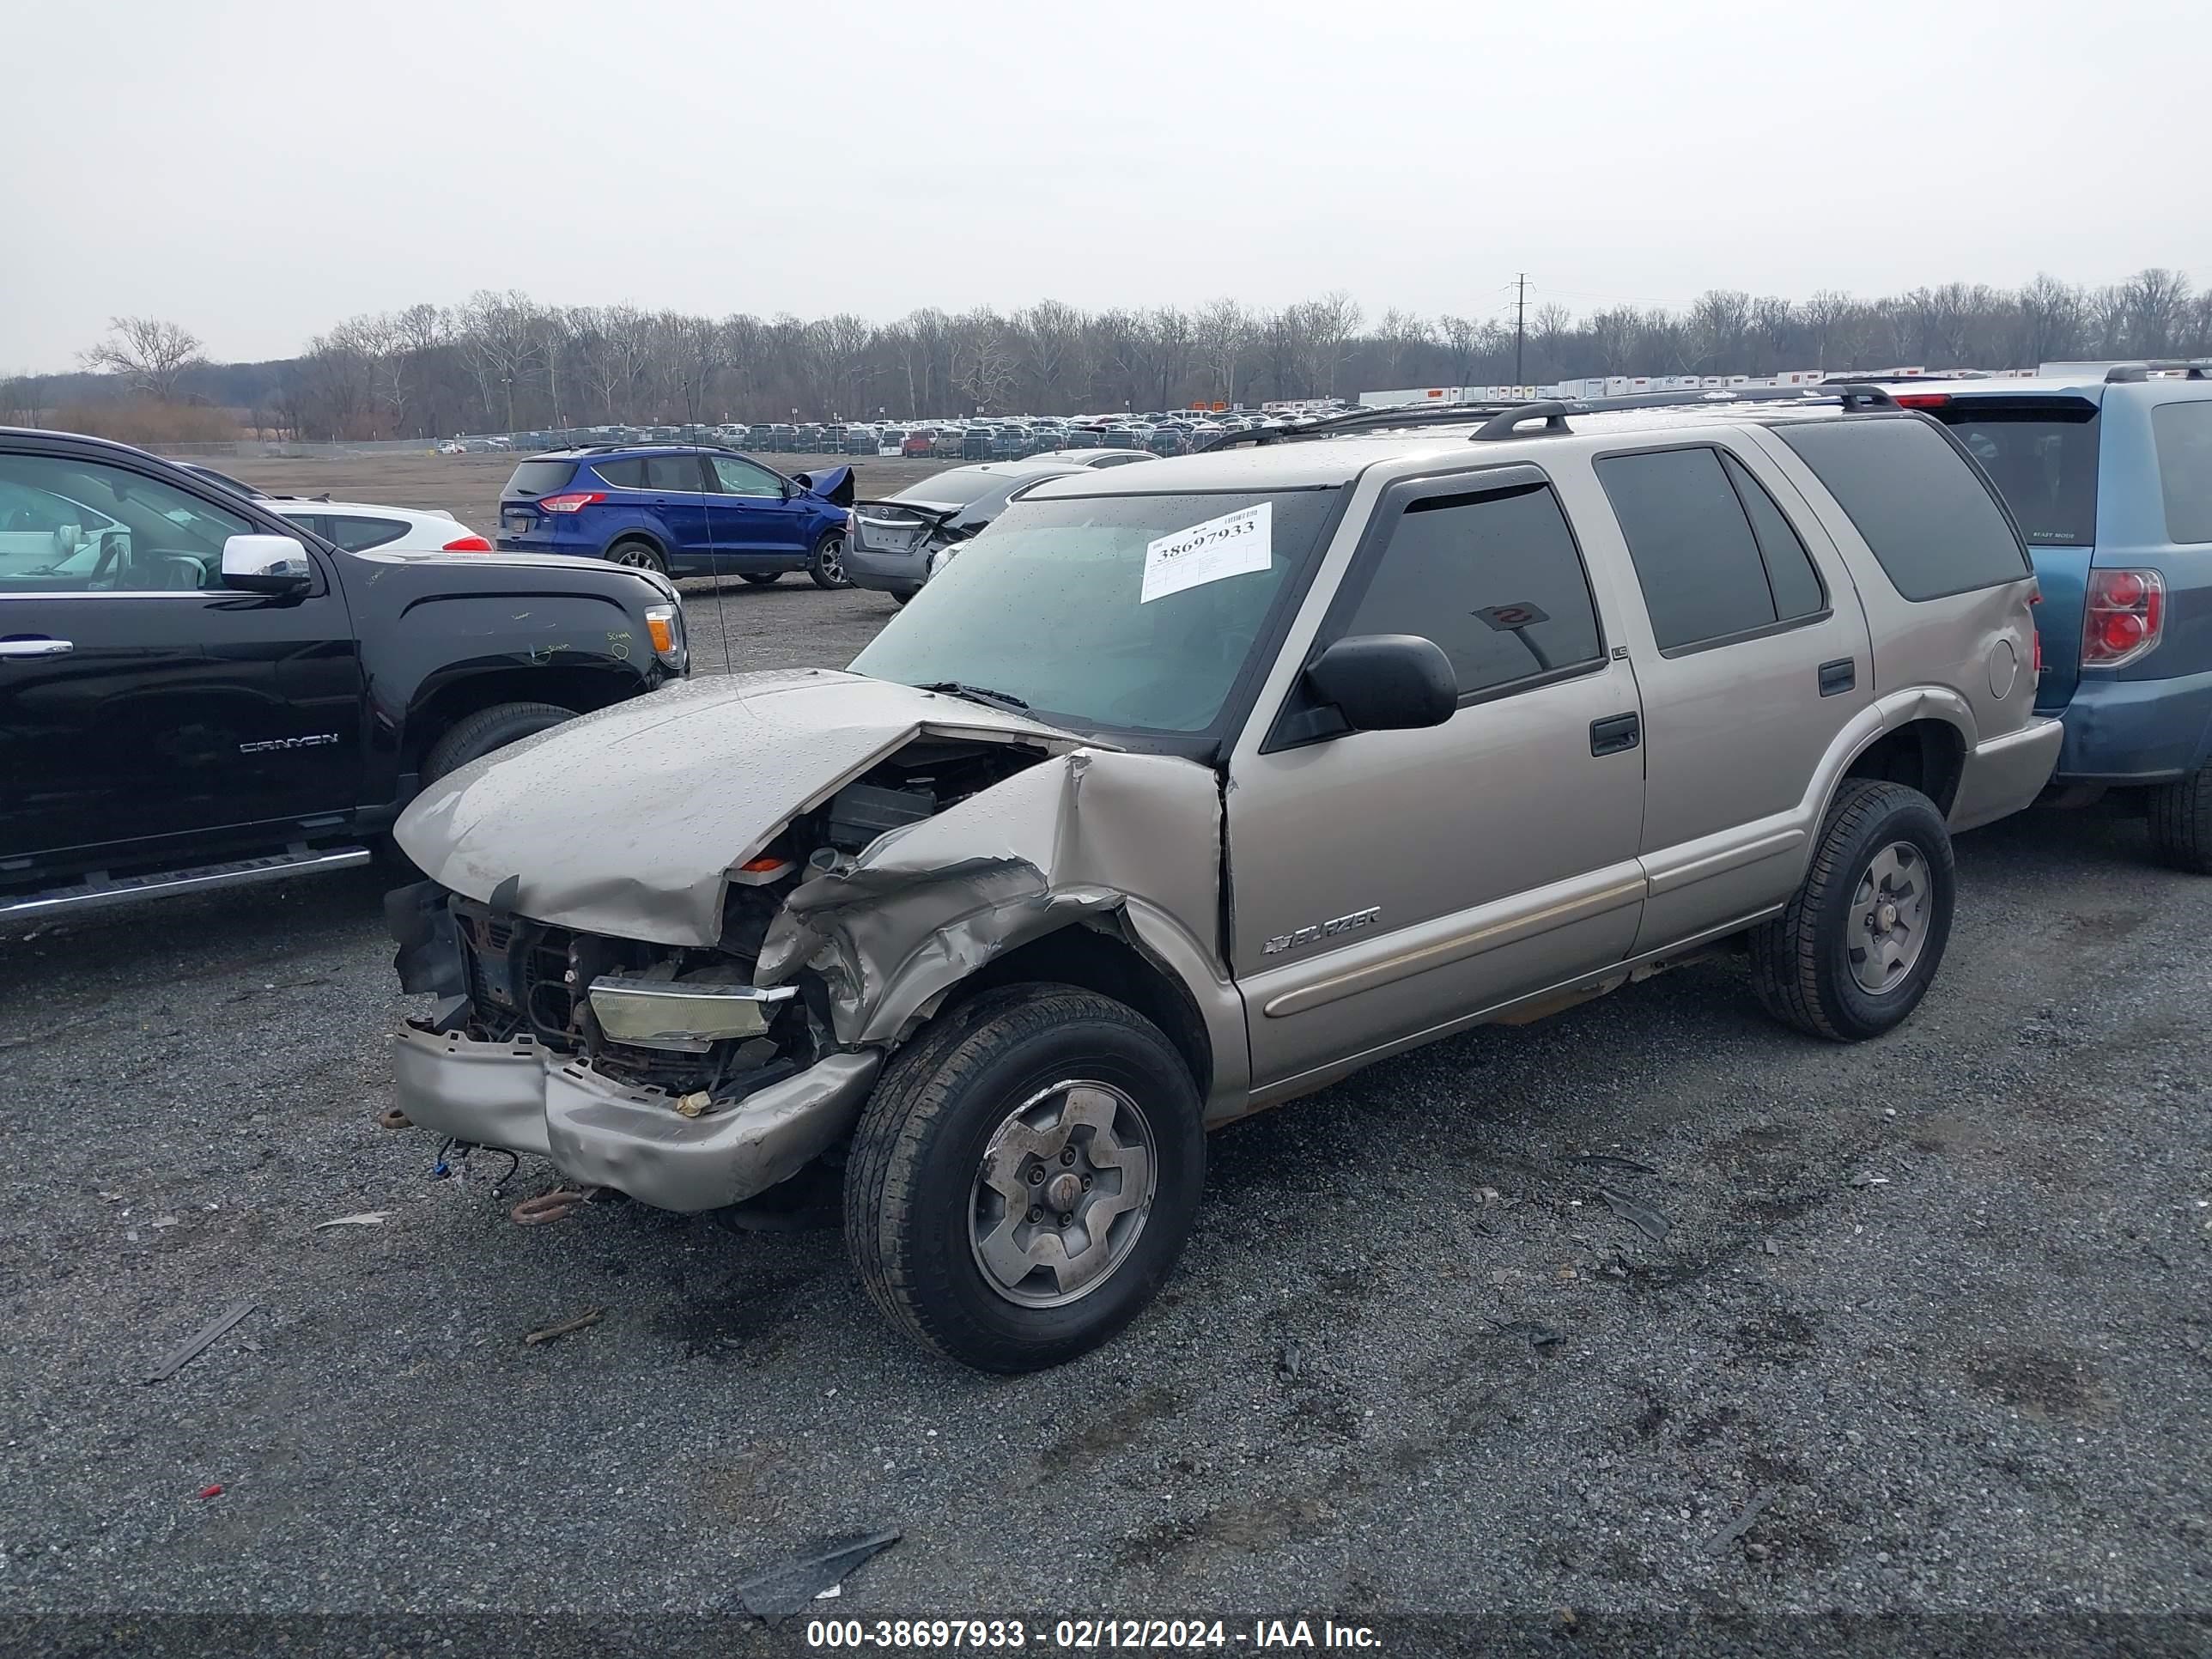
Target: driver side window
[
  {"x": 69, "y": 525},
  {"x": 735, "y": 476}
]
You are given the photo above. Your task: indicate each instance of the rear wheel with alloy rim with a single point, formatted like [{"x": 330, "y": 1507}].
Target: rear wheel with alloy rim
[
  {"x": 1025, "y": 1177},
  {"x": 638, "y": 555},
  {"x": 1855, "y": 948}
]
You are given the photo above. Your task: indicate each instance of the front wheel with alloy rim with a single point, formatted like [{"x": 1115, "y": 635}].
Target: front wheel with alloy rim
[
  {"x": 1024, "y": 1176},
  {"x": 638, "y": 555},
  {"x": 826, "y": 565},
  {"x": 1858, "y": 944}
]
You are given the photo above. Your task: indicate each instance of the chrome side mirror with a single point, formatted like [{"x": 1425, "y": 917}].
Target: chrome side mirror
[{"x": 266, "y": 564}]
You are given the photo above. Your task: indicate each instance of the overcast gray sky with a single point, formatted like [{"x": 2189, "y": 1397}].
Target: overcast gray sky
[{"x": 257, "y": 171}]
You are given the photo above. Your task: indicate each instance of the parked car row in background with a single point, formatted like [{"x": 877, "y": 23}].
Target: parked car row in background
[
  {"x": 975, "y": 438},
  {"x": 1014, "y": 438}
]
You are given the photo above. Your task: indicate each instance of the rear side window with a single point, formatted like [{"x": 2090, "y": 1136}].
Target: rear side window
[
  {"x": 622, "y": 475},
  {"x": 2184, "y": 436},
  {"x": 2043, "y": 460},
  {"x": 535, "y": 478},
  {"x": 674, "y": 472},
  {"x": 1494, "y": 579},
  {"x": 358, "y": 534},
  {"x": 1929, "y": 519},
  {"x": 1696, "y": 558}
]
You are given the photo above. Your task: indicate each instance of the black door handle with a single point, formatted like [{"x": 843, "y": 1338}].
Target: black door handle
[
  {"x": 1839, "y": 677},
  {"x": 1615, "y": 734}
]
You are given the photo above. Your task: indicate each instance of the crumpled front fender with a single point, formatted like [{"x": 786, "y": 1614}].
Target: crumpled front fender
[{"x": 927, "y": 907}]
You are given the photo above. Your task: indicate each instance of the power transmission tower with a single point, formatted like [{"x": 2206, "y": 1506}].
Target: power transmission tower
[{"x": 1520, "y": 321}]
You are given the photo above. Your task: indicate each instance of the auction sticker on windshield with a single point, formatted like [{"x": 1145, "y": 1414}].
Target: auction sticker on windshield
[{"x": 1235, "y": 544}]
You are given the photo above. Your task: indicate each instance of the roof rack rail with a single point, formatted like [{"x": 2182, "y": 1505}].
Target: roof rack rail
[
  {"x": 1498, "y": 421},
  {"x": 2191, "y": 368},
  {"x": 1353, "y": 419},
  {"x": 1853, "y": 395},
  {"x": 1550, "y": 411}
]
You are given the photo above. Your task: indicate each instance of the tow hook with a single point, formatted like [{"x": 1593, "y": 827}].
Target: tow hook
[{"x": 557, "y": 1206}]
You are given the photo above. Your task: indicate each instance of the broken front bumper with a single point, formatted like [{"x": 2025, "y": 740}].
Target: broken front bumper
[{"x": 523, "y": 1097}]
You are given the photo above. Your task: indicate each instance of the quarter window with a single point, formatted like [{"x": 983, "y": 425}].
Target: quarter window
[
  {"x": 622, "y": 475},
  {"x": 1495, "y": 580},
  {"x": 358, "y": 535},
  {"x": 2183, "y": 433},
  {"x": 1926, "y": 513}
]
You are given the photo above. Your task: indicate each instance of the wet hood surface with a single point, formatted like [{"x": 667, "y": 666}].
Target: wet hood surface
[{"x": 625, "y": 821}]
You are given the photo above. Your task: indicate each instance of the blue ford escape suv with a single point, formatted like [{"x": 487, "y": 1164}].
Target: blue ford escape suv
[
  {"x": 2108, "y": 468},
  {"x": 682, "y": 511}
]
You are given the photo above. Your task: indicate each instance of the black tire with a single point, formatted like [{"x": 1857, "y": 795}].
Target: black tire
[
  {"x": 476, "y": 735},
  {"x": 638, "y": 555},
  {"x": 2181, "y": 822},
  {"x": 901, "y": 599},
  {"x": 1801, "y": 961},
  {"x": 761, "y": 578},
  {"x": 910, "y": 1182},
  {"x": 826, "y": 563}
]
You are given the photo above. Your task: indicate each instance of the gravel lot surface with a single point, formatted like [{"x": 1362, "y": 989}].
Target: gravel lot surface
[{"x": 1935, "y": 1312}]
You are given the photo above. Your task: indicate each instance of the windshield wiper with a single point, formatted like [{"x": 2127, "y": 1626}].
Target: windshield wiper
[{"x": 982, "y": 694}]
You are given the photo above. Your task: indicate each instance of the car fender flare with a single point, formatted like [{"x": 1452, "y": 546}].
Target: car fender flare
[
  {"x": 927, "y": 981},
  {"x": 1885, "y": 714}
]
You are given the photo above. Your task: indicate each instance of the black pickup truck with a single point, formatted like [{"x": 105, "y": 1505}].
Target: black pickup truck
[{"x": 196, "y": 693}]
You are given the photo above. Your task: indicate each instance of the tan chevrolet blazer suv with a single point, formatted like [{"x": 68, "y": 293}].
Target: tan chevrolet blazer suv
[{"x": 1192, "y": 788}]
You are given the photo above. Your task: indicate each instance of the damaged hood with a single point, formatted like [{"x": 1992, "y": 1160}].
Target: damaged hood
[
  {"x": 834, "y": 484},
  {"x": 626, "y": 822}
]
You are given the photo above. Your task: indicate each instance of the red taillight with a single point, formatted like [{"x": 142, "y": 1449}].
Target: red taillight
[
  {"x": 1923, "y": 399},
  {"x": 468, "y": 544},
  {"x": 2126, "y": 615},
  {"x": 574, "y": 502},
  {"x": 2123, "y": 588}
]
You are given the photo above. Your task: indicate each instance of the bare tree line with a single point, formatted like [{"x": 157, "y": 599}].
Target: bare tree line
[{"x": 503, "y": 362}]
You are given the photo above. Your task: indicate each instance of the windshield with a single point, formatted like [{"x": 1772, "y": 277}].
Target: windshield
[
  {"x": 1129, "y": 612},
  {"x": 2043, "y": 460}
]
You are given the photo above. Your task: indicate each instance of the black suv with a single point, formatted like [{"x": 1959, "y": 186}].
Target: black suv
[{"x": 196, "y": 693}]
